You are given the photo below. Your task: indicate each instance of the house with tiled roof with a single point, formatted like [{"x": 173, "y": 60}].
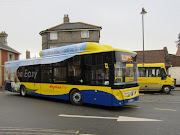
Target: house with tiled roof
[
  {"x": 68, "y": 33},
  {"x": 6, "y": 54},
  {"x": 171, "y": 61},
  {"x": 154, "y": 56}
]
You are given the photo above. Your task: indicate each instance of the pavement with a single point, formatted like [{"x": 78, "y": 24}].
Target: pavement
[{"x": 176, "y": 89}]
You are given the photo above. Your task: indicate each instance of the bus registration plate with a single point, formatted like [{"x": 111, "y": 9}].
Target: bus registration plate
[{"x": 131, "y": 100}]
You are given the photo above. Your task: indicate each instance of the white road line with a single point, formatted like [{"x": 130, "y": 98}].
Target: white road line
[
  {"x": 120, "y": 118},
  {"x": 124, "y": 118},
  {"x": 91, "y": 117}
]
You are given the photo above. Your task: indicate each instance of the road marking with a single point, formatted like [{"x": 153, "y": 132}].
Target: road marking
[
  {"x": 130, "y": 106},
  {"x": 120, "y": 118},
  {"x": 124, "y": 118},
  {"x": 37, "y": 130},
  {"x": 165, "y": 109},
  {"x": 157, "y": 102},
  {"x": 91, "y": 117}
]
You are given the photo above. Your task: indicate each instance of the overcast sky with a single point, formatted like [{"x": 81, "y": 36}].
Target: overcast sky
[{"x": 121, "y": 22}]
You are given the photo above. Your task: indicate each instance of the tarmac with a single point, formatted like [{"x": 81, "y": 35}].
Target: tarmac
[{"x": 176, "y": 89}]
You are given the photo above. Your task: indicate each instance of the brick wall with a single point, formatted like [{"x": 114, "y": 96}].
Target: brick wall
[{"x": 4, "y": 58}]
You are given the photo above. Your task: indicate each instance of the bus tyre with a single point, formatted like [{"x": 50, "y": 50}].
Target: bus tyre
[
  {"x": 76, "y": 97},
  {"x": 23, "y": 91},
  {"x": 166, "y": 89}
]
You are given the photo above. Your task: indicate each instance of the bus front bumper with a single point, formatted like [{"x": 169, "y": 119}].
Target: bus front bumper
[{"x": 125, "y": 101}]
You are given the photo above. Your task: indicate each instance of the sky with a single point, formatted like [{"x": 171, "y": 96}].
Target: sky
[{"x": 120, "y": 20}]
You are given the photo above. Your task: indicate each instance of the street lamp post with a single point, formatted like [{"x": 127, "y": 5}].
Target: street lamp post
[{"x": 143, "y": 13}]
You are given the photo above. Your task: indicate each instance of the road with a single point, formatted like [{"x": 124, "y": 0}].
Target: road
[{"x": 153, "y": 114}]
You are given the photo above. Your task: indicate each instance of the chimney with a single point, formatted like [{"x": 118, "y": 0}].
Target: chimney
[
  {"x": 3, "y": 37},
  {"x": 66, "y": 18},
  {"x": 27, "y": 54}
]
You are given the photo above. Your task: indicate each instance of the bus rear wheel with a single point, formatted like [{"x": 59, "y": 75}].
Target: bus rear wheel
[
  {"x": 166, "y": 89},
  {"x": 76, "y": 97},
  {"x": 23, "y": 91}
]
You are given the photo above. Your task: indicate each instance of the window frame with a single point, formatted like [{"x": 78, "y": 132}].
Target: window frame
[
  {"x": 53, "y": 36},
  {"x": 84, "y": 34}
]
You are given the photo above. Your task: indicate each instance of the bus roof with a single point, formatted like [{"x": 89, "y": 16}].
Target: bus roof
[
  {"x": 82, "y": 48},
  {"x": 58, "y": 54},
  {"x": 151, "y": 65}
]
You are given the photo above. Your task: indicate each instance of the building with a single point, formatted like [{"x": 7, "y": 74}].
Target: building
[
  {"x": 171, "y": 61},
  {"x": 6, "y": 54},
  {"x": 154, "y": 56},
  {"x": 174, "y": 70},
  {"x": 68, "y": 33}
]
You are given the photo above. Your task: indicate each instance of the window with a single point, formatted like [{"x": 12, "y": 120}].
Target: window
[
  {"x": 10, "y": 57},
  {"x": 85, "y": 34},
  {"x": 53, "y": 36},
  {"x": 29, "y": 73},
  {"x": 74, "y": 70},
  {"x": 46, "y": 73},
  {"x": 96, "y": 69},
  {"x": 142, "y": 72},
  {"x": 53, "y": 46},
  {"x": 149, "y": 72}
]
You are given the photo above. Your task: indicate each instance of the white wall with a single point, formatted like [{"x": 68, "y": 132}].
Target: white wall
[{"x": 175, "y": 73}]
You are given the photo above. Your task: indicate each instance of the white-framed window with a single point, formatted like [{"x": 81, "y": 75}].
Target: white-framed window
[
  {"x": 53, "y": 46},
  {"x": 10, "y": 57},
  {"x": 53, "y": 35},
  {"x": 84, "y": 34}
]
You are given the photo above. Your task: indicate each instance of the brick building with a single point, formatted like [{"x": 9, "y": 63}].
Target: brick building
[
  {"x": 6, "y": 54},
  {"x": 154, "y": 56},
  {"x": 68, "y": 33}
]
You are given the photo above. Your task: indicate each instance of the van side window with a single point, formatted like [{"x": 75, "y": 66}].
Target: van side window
[
  {"x": 152, "y": 72},
  {"x": 158, "y": 72},
  {"x": 142, "y": 72},
  {"x": 149, "y": 72}
]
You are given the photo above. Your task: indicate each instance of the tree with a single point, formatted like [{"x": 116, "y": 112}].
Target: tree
[{"x": 178, "y": 41}]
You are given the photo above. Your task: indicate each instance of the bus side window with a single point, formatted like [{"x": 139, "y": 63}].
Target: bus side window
[
  {"x": 151, "y": 72},
  {"x": 74, "y": 70},
  {"x": 46, "y": 73},
  {"x": 158, "y": 73},
  {"x": 163, "y": 74}
]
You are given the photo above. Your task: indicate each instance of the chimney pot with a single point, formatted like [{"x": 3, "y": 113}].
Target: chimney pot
[
  {"x": 3, "y": 37},
  {"x": 66, "y": 18}
]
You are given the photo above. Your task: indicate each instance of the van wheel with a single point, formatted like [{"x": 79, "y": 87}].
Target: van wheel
[
  {"x": 166, "y": 89},
  {"x": 76, "y": 97},
  {"x": 23, "y": 91}
]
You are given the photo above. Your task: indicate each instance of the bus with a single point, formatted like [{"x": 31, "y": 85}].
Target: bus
[
  {"x": 153, "y": 76},
  {"x": 73, "y": 73}
]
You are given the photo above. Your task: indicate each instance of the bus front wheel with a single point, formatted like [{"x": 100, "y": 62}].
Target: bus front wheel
[
  {"x": 23, "y": 91},
  {"x": 166, "y": 89},
  {"x": 76, "y": 97}
]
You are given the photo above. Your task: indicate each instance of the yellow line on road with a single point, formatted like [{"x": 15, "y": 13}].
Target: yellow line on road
[
  {"x": 38, "y": 130},
  {"x": 130, "y": 106},
  {"x": 157, "y": 102},
  {"x": 165, "y": 109}
]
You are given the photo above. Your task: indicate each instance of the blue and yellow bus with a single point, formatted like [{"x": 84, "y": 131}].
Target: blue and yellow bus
[{"x": 81, "y": 73}]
